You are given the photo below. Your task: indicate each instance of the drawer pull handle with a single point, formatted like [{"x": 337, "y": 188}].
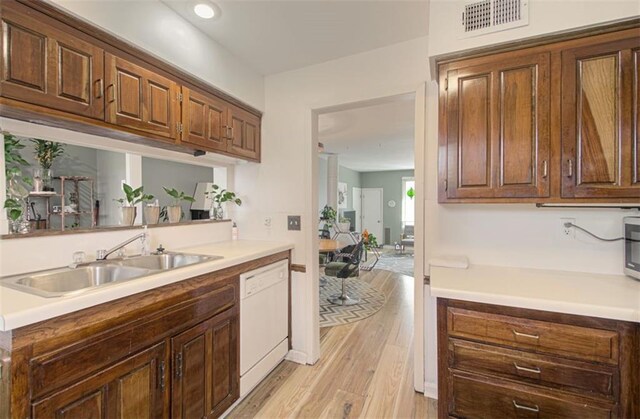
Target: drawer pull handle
[
  {"x": 525, "y": 335},
  {"x": 534, "y": 370},
  {"x": 535, "y": 408}
]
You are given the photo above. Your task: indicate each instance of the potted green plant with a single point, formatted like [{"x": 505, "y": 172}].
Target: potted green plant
[
  {"x": 132, "y": 197},
  {"x": 174, "y": 210},
  {"x": 16, "y": 192},
  {"x": 46, "y": 152},
  {"x": 371, "y": 242},
  {"x": 218, "y": 197},
  {"x": 328, "y": 216}
]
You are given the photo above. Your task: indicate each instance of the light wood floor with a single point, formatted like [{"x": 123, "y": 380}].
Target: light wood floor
[{"x": 365, "y": 368}]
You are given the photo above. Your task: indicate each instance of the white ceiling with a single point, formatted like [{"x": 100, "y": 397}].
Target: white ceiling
[
  {"x": 274, "y": 36},
  {"x": 372, "y": 138}
]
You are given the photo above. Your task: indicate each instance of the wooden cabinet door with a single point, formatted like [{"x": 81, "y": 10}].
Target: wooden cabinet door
[
  {"x": 205, "y": 368},
  {"x": 245, "y": 133},
  {"x": 599, "y": 110},
  {"x": 497, "y": 132},
  {"x": 204, "y": 121},
  {"x": 132, "y": 388},
  {"x": 46, "y": 66},
  {"x": 140, "y": 99}
]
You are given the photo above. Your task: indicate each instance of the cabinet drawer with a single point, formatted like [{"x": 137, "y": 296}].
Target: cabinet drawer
[
  {"x": 530, "y": 368},
  {"x": 474, "y": 397},
  {"x": 545, "y": 337}
]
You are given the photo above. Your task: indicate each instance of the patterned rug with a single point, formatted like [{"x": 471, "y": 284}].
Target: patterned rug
[
  {"x": 396, "y": 262},
  {"x": 371, "y": 300}
]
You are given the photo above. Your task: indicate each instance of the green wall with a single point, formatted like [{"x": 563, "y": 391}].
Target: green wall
[{"x": 391, "y": 183}]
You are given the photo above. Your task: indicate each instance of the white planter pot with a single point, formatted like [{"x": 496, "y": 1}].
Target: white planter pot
[
  {"x": 344, "y": 227},
  {"x": 128, "y": 215},
  {"x": 174, "y": 213},
  {"x": 151, "y": 214}
]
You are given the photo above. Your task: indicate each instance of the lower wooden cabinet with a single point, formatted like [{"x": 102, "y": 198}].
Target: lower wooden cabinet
[
  {"x": 167, "y": 352},
  {"x": 205, "y": 359},
  {"x": 507, "y": 362},
  {"x": 133, "y": 388}
]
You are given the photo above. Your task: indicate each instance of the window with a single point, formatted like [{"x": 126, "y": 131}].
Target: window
[{"x": 408, "y": 197}]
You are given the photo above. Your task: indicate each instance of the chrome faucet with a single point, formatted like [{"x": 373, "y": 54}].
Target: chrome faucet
[{"x": 103, "y": 254}]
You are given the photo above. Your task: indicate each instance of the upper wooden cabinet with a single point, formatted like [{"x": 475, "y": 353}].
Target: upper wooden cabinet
[
  {"x": 245, "y": 133},
  {"x": 141, "y": 99},
  {"x": 599, "y": 120},
  {"x": 67, "y": 73},
  {"x": 497, "y": 130},
  {"x": 556, "y": 122},
  {"x": 43, "y": 64},
  {"x": 204, "y": 121}
]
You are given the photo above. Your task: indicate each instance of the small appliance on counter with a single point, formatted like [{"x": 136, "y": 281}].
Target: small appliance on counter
[
  {"x": 200, "y": 208},
  {"x": 632, "y": 247}
]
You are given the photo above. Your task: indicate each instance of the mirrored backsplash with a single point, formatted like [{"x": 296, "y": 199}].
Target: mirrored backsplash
[{"x": 54, "y": 186}]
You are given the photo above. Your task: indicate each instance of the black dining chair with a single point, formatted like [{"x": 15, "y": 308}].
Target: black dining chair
[{"x": 347, "y": 266}]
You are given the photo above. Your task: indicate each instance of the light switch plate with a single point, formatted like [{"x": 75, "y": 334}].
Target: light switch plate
[{"x": 293, "y": 222}]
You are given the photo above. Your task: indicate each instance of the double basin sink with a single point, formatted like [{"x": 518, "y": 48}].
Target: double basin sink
[{"x": 88, "y": 276}]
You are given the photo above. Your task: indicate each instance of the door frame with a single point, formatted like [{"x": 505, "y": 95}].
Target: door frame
[
  {"x": 358, "y": 226},
  {"x": 310, "y": 316}
]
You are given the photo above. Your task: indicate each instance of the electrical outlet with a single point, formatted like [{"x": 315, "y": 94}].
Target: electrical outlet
[
  {"x": 267, "y": 221},
  {"x": 293, "y": 222},
  {"x": 568, "y": 231}
]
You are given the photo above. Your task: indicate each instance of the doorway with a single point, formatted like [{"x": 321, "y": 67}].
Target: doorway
[{"x": 365, "y": 154}]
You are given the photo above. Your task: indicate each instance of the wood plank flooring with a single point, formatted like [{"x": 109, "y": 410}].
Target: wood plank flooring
[{"x": 365, "y": 368}]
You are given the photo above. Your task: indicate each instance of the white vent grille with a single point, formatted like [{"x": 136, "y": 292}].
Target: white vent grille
[
  {"x": 506, "y": 11},
  {"x": 477, "y": 15},
  {"x": 486, "y": 16}
]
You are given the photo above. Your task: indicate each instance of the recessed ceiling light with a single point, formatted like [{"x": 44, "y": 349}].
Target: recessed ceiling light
[{"x": 205, "y": 11}]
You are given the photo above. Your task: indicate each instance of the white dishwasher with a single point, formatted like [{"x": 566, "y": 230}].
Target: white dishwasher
[{"x": 264, "y": 323}]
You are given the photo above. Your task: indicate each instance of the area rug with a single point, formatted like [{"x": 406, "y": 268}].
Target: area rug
[
  {"x": 396, "y": 262},
  {"x": 371, "y": 300}
]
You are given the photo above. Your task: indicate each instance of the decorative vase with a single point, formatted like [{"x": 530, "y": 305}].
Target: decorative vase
[
  {"x": 151, "y": 214},
  {"x": 218, "y": 212},
  {"x": 19, "y": 226},
  {"x": 46, "y": 177},
  {"x": 174, "y": 212},
  {"x": 38, "y": 183},
  {"x": 128, "y": 215}
]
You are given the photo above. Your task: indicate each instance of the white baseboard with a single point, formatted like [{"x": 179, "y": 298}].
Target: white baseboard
[
  {"x": 431, "y": 390},
  {"x": 297, "y": 357}
]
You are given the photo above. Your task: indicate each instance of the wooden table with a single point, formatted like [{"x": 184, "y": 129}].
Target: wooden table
[{"x": 328, "y": 245}]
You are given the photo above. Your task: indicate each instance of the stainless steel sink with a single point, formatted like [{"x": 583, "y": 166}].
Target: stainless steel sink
[
  {"x": 165, "y": 261},
  {"x": 67, "y": 281}
]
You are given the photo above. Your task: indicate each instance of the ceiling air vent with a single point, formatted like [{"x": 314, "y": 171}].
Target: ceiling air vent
[{"x": 486, "y": 16}]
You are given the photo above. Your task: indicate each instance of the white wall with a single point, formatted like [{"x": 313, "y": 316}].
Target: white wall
[
  {"x": 545, "y": 16},
  {"x": 156, "y": 28},
  {"x": 283, "y": 183}
]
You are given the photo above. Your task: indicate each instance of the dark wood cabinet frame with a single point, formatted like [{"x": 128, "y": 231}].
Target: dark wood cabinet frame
[
  {"x": 558, "y": 190},
  {"x": 37, "y": 110}
]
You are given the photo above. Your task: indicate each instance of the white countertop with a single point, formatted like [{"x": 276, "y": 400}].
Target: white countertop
[
  {"x": 18, "y": 309},
  {"x": 606, "y": 296}
]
